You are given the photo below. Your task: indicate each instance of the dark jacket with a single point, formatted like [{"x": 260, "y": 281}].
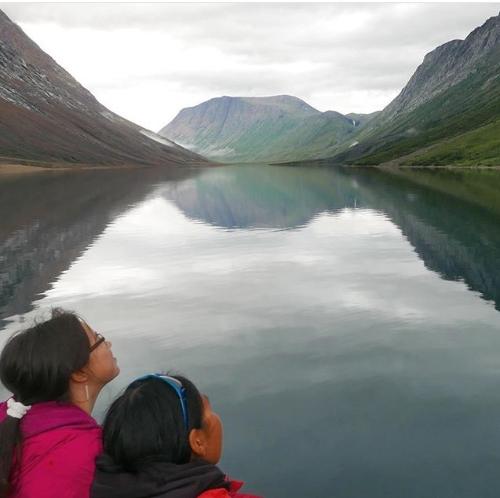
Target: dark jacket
[{"x": 164, "y": 480}]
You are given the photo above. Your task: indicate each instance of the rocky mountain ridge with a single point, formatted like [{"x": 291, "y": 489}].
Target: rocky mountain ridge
[
  {"x": 445, "y": 66},
  {"x": 447, "y": 114},
  {"x": 48, "y": 118}
]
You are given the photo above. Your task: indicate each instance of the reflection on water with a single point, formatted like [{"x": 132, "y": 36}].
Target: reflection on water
[
  {"x": 342, "y": 321},
  {"x": 48, "y": 220},
  {"x": 455, "y": 235}
]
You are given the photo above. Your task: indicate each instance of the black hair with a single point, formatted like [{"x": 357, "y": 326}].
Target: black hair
[
  {"x": 145, "y": 424},
  {"x": 35, "y": 366}
]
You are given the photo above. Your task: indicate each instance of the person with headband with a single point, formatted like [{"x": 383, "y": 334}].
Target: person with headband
[
  {"x": 162, "y": 440},
  {"x": 48, "y": 439}
]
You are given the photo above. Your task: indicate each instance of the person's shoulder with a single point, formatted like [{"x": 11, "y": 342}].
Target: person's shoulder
[
  {"x": 70, "y": 434},
  {"x": 61, "y": 459},
  {"x": 78, "y": 446}
]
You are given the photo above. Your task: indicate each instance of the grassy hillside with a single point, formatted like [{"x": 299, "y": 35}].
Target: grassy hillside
[
  {"x": 262, "y": 129},
  {"x": 307, "y": 138},
  {"x": 480, "y": 147},
  {"x": 460, "y": 126}
]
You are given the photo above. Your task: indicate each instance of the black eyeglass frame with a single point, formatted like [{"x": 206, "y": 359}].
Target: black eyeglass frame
[{"x": 100, "y": 339}]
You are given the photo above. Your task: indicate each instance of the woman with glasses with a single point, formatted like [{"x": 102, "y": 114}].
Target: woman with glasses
[
  {"x": 48, "y": 439},
  {"x": 162, "y": 440}
]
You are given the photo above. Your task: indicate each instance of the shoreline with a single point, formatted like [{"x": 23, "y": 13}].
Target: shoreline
[
  {"x": 417, "y": 166},
  {"x": 384, "y": 166},
  {"x": 11, "y": 168},
  {"x": 20, "y": 169},
  {"x": 28, "y": 167}
]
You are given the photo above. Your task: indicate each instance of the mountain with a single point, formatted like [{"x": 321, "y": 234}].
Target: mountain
[
  {"x": 246, "y": 129},
  {"x": 48, "y": 118},
  {"x": 446, "y": 66},
  {"x": 448, "y": 113}
]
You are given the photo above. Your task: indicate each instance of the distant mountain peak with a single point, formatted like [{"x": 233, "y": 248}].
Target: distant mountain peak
[
  {"x": 286, "y": 102},
  {"x": 270, "y": 128}
]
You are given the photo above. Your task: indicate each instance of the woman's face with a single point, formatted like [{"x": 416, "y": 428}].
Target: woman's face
[
  {"x": 212, "y": 429},
  {"x": 102, "y": 365}
]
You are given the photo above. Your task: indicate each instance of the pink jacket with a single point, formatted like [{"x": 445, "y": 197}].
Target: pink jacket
[{"x": 60, "y": 444}]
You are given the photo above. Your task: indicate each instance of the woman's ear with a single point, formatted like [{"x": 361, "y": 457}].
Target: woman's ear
[
  {"x": 198, "y": 442},
  {"x": 79, "y": 377}
]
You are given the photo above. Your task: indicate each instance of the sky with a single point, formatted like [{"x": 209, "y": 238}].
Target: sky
[{"x": 147, "y": 61}]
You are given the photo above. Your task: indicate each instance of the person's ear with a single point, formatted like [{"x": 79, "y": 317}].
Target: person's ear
[
  {"x": 198, "y": 442},
  {"x": 79, "y": 377}
]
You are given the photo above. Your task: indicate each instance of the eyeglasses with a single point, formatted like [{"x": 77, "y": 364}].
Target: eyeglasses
[
  {"x": 177, "y": 386},
  {"x": 99, "y": 340}
]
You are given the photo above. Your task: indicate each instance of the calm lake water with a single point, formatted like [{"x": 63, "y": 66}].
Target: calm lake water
[{"x": 344, "y": 322}]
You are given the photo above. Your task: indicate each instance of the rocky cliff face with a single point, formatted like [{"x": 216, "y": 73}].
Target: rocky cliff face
[
  {"x": 446, "y": 66},
  {"x": 47, "y": 117}
]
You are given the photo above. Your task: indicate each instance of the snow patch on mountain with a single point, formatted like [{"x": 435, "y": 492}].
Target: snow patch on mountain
[
  {"x": 111, "y": 116},
  {"x": 214, "y": 151},
  {"x": 157, "y": 138}
]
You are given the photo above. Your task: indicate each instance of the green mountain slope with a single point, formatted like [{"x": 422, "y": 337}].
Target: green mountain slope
[
  {"x": 479, "y": 147},
  {"x": 457, "y": 125},
  {"x": 248, "y": 129}
]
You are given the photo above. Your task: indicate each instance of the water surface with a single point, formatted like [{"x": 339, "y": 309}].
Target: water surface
[{"x": 344, "y": 322}]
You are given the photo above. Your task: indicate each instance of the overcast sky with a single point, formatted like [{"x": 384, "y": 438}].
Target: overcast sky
[{"x": 148, "y": 61}]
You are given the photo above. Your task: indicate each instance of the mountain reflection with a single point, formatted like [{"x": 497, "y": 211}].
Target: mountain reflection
[
  {"x": 450, "y": 218},
  {"x": 49, "y": 219},
  {"x": 250, "y": 197}
]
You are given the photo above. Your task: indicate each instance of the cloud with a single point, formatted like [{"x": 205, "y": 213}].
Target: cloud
[{"x": 147, "y": 61}]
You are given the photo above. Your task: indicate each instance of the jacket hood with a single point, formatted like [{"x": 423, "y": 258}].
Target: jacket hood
[
  {"x": 46, "y": 416},
  {"x": 158, "y": 480}
]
